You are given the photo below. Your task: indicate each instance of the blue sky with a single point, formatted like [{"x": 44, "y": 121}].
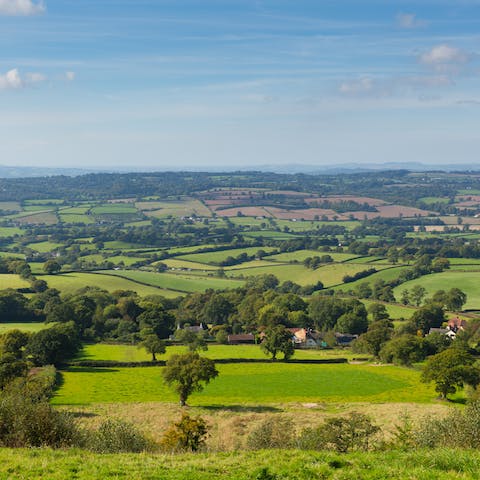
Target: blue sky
[{"x": 235, "y": 83}]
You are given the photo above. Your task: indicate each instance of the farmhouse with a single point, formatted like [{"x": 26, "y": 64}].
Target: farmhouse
[{"x": 305, "y": 338}]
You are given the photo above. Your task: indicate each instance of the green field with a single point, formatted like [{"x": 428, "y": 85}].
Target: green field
[
  {"x": 10, "y": 280},
  {"x": 387, "y": 275},
  {"x": 44, "y": 247},
  {"x": 438, "y": 464},
  {"x": 76, "y": 218},
  {"x": 181, "y": 282},
  {"x": 239, "y": 384},
  {"x": 131, "y": 353},
  {"x": 10, "y": 231},
  {"x": 301, "y": 255},
  {"x": 24, "y": 327},
  {"x": 219, "y": 256},
  {"x": 329, "y": 274},
  {"x": 113, "y": 209},
  {"x": 466, "y": 281},
  {"x": 71, "y": 282}
]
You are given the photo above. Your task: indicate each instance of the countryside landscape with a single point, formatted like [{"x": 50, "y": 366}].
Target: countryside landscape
[
  {"x": 239, "y": 240},
  {"x": 315, "y": 298}
]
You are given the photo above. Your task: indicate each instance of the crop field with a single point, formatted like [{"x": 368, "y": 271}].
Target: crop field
[
  {"x": 186, "y": 208},
  {"x": 10, "y": 206},
  {"x": 10, "y": 280},
  {"x": 24, "y": 327},
  {"x": 239, "y": 384},
  {"x": 219, "y": 256},
  {"x": 71, "y": 282},
  {"x": 46, "y": 218},
  {"x": 466, "y": 281},
  {"x": 181, "y": 282}
]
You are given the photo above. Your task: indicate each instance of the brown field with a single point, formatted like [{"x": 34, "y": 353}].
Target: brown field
[
  {"x": 46, "y": 218},
  {"x": 230, "y": 427},
  {"x": 306, "y": 214},
  {"x": 453, "y": 220},
  {"x": 246, "y": 211},
  {"x": 374, "y": 202},
  {"x": 10, "y": 206},
  {"x": 391, "y": 211}
]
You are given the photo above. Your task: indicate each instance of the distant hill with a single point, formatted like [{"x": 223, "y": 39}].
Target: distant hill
[{"x": 22, "y": 172}]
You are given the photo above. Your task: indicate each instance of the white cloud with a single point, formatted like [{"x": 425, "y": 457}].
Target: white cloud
[
  {"x": 444, "y": 55},
  {"x": 409, "y": 20},
  {"x": 35, "y": 77},
  {"x": 21, "y": 7},
  {"x": 357, "y": 87},
  {"x": 70, "y": 76},
  {"x": 11, "y": 80}
]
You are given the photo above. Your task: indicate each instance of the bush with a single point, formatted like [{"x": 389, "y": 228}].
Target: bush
[
  {"x": 272, "y": 433},
  {"x": 343, "y": 434},
  {"x": 117, "y": 436},
  {"x": 188, "y": 434},
  {"x": 26, "y": 421},
  {"x": 459, "y": 429}
]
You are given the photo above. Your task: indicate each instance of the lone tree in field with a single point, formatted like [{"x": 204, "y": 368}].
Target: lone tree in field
[
  {"x": 450, "y": 369},
  {"x": 278, "y": 339},
  {"x": 153, "y": 345},
  {"x": 188, "y": 373},
  {"x": 51, "y": 267}
]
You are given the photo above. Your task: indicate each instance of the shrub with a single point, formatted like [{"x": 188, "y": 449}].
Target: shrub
[
  {"x": 26, "y": 421},
  {"x": 272, "y": 433},
  {"x": 342, "y": 434},
  {"x": 116, "y": 436},
  {"x": 188, "y": 434}
]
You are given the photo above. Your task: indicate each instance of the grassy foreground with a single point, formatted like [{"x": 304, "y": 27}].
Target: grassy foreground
[{"x": 280, "y": 465}]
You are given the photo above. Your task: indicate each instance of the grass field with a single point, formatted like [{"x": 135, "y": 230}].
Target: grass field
[
  {"x": 10, "y": 231},
  {"x": 444, "y": 464},
  {"x": 219, "y": 256},
  {"x": 24, "y": 327},
  {"x": 387, "y": 274},
  {"x": 10, "y": 206},
  {"x": 466, "y": 281},
  {"x": 113, "y": 209},
  {"x": 329, "y": 274},
  {"x": 44, "y": 247},
  {"x": 71, "y": 282},
  {"x": 131, "y": 353},
  {"x": 47, "y": 218},
  {"x": 10, "y": 280},
  {"x": 182, "y": 283},
  {"x": 76, "y": 218},
  {"x": 301, "y": 255},
  {"x": 239, "y": 384}
]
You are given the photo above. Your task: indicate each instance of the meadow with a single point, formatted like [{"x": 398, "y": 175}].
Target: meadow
[
  {"x": 180, "y": 282},
  {"x": 10, "y": 280},
  {"x": 219, "y": 256},
  {"x": 24, "y": 327},
  {"x": 444, "y": 464},
  {"x": 71, "y": 282},
  {"x": 240, "y": 384},
  {"x": 464, "y": 280}
]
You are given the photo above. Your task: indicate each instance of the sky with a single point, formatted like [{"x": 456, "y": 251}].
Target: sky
[{"x": 170, "y": 84}]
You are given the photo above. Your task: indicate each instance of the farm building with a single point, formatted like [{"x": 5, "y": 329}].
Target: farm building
[
  {"x": 241, "y": 338},
  {"x": 305, "y": 338}
]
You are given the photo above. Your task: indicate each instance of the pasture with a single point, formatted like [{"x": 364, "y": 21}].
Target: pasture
[
  {"x": 10, "y": 280},
  {"x": 466, "y": 281},
  {"x": 180, "y": 282},
  {"x": 71, "y": 282},
  {"x": 183, "y": 208},
  {"x": 240, "y": 384},
  {"x": 24, "y": 327},
  {"x": 220, "y": 256},
  {"x": 301, "y": 255}
]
